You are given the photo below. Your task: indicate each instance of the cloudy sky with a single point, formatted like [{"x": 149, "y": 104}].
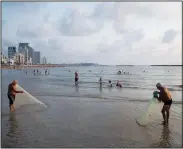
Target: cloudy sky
[{"x": 138, "y": 33}]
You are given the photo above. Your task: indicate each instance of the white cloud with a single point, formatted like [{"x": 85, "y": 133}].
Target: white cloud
[{"x": 107, "y": 33}]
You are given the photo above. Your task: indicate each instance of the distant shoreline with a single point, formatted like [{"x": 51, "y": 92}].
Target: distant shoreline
[
  {"x": 148, "y": 65},
  {"x": 30, "y": 66},
  {"x": 165, "y": 65}
]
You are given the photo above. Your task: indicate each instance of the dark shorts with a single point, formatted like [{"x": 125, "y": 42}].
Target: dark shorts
[
  {"x": 11, "y": 99},
  {"x": 168, "y": 102}
]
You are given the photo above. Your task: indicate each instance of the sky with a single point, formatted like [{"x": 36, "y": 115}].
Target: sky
[{"x": 111, "y": 33}]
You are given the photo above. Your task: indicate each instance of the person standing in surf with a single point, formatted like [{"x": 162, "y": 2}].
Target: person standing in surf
[
  {"x": 164, "y": 96},
  {"x": 76, "y": 78},
  {"x": 12, "y": 94},
  {"x": 119, "y": 84},
  {"x": 100, "y": 81}
]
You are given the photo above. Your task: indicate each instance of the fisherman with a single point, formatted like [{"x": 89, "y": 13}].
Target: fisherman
[
  {"x": 76, "y": 78},
  {"x": 164, "y": 96},
  {"x": 12, "y": 94}
]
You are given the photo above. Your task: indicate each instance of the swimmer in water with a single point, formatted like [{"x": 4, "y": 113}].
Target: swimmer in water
[
  {"x": 76, "y": 78},
  {"x": 118, "y": 84},
  {"x": 100, "y": 81},
  {"x": 164, "y": 96},
  {"x": 46, "y": 72},
  {"x": 34, "y": 72},
  {"x": 119, "y": 72},
  {"x": 110, "y": 84},
  {"x": 12, "y": 94}
]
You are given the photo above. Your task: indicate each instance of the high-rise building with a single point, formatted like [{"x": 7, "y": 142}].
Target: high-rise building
[
  {"x": 11, "y": 52},
  {"x": 28, "y": 51},
  {"x": 37, "y": 57},
  {"x": 44, "y": 60}
]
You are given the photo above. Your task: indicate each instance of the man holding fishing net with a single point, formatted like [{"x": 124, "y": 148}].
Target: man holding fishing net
[
  {"x": 12, "y": 93},
  {"x": 164, "y": 96}
]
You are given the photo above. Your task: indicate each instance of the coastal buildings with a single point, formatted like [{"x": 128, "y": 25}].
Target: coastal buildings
[
  {"x": 10, "y": 61},
  {"x": 25, "y": 55},
  {"x": 4, "y": 59},
  {"x": 44, "y": 60},
  {"x": 19, "y": 58},
  {"x": 30, "y": 61},
  {"x": 11, "y": 52},
  {"x": 37, "y": 57},
  {"x": 28, "y": 52}
]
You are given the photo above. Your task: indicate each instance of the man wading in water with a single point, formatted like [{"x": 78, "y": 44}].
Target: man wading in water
[
  {"x": 164, "y": 96},
  {"x": 12, "y": 93},
  {"x": 76, "y": 78}
]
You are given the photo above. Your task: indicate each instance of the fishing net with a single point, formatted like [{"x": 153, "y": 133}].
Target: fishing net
[
  {"x": 25, "y": 98},
  {"x": 151, "y": 112}
]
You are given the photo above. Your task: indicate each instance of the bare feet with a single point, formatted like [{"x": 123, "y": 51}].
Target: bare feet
[{"x": 164, "y": 123}]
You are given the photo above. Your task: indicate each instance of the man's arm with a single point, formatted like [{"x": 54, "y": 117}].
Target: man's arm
[
  {"x": 159, "y": 98},
  {"x": 16, "y": 90}
]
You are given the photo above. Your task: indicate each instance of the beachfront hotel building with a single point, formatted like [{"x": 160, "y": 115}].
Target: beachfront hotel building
[
  {"x": 19, "y": 58},
  {"x": 37, "y": 57},
  {"x": 44, "y": 61},
  {"x": 11, "y": 52}
]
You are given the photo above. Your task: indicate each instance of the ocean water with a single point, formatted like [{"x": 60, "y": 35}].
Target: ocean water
[{"x": 88, "y": 115}]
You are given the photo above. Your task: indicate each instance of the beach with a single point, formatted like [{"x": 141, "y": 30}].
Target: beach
[{"x": 87, "y": 115}]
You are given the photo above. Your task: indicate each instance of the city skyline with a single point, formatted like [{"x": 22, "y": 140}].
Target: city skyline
[
  {"x": 30, "y": 55},
  {"x": 126, "y": 33}
]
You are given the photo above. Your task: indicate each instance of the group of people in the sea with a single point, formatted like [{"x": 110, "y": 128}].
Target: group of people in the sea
[
  {"x": 121, "y": 72},
  {"x": 118, "y": 84},
  {"x": 38, "y": 72}
]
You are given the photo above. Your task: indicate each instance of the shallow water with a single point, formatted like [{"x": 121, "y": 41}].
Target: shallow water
[{"x": 90, "y": 116}]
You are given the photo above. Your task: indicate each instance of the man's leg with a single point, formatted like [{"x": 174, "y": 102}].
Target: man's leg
[
  {"x": 168, "y": 114},
  {"x": 11, "y": 108},
  {"x": 163, "y": 113}
]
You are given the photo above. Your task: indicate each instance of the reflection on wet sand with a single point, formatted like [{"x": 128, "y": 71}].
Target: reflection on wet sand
[
  {"x": 13, "y": 125},
  {"x": 77, "y": 88},
  {"x": 165, "y": 139}
]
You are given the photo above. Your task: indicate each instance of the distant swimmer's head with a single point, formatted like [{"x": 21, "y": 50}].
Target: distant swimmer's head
[
  {"x": 14, "y": 82},
  {"x": 159, "y": 86}
]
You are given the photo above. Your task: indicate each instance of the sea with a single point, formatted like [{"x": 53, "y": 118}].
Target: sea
[{"x": 88, "y": 115}]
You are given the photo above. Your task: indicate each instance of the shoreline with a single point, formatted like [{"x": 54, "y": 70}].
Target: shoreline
[{"x": 31, "y": 66}]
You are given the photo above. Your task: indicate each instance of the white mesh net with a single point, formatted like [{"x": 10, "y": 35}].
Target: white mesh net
[
  {"x": 25, "y": 98},
  {"x": 151, "y": 113}
]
